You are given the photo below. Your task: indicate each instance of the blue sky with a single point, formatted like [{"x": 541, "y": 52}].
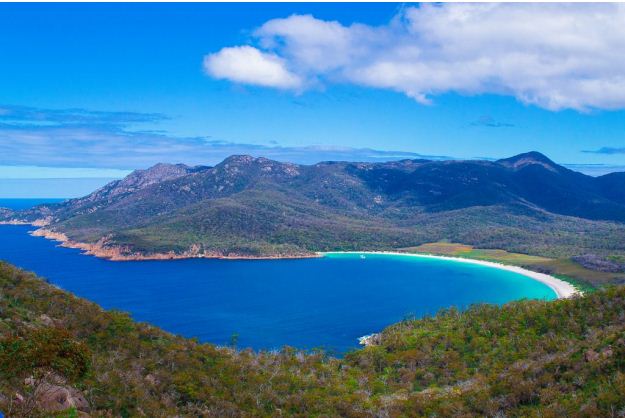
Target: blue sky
[{"x": 95, "y": 90}]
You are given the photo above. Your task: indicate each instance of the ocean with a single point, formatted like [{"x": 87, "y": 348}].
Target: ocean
[
  {"x": 326, "y": 302},
  {"x": 18, "y": 204}
]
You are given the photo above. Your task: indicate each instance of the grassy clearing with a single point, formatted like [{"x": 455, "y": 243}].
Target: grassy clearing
[{"x": 563, "y": 268}]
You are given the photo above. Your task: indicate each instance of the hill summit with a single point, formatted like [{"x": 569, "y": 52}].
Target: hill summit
[{"x": 528, "y": 159}]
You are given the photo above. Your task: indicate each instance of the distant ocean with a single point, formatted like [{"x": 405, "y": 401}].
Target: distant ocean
[
  {"x": 319, "y": 302},
  {"x": 18, "y": 204}
]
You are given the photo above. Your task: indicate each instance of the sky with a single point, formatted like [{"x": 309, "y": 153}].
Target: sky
[{"x": 89, "y": 92}]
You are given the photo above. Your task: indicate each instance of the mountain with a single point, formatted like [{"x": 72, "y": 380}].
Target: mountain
[
  {"x": 248, "y": 206},
  {"x": 613, "y": 186},
  {"x": 119, "y": 189},
  {"x": 563, "y": 191}
]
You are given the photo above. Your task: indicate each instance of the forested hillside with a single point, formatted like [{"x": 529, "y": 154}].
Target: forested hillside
[
  {"x": 545, "y": 359},
  {"x": 254, "y": 207}
]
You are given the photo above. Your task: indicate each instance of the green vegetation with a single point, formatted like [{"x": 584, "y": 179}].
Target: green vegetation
[
  {"x": 528, "y": 358},
  {"x": 248, "y": 206},
  {"x": 583, "y": 278},
  {"x": 265, "y": 222}
]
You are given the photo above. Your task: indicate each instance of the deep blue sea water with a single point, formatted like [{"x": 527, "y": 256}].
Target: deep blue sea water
[
  {"x": 18, "y": 204},
  {"x": 326, "y": 302}
]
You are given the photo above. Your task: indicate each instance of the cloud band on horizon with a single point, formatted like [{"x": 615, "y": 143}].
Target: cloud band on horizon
[
  {"x": 607, "y": 151},
  {"x": 79, "y": 143},
  {"x": 81, "y": 138}
]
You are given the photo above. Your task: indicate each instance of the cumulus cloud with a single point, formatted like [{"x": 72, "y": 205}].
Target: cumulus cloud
[
  {"x": 248, "y": 65},
  {"x": 555, "y": 56}
]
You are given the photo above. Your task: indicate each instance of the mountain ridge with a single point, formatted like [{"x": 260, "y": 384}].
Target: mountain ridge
[{"x": 256, "y": 207}]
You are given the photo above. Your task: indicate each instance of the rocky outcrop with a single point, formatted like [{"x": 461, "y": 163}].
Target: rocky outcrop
[
  {"x": 370, "y": 340},
  {"x": 14, "y": 222},
  {"x": 50, "y": 394},
  {"x": 103, "y": 249},
  {"x": 50, "y": 397},
  {"x": 137, "y": 180},
  {"x": 594, "y": 356},
  {"x": 118, "y": 189}
]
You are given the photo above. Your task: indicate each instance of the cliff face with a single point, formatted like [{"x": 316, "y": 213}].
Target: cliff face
[{"x": 248, "y": 206}]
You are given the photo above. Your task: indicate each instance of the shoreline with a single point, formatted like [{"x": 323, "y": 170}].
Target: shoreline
[
  {"x": 561, "y": 288},
  {"x": 119, "y": 253},
  {"x": 14, "y": 222}
]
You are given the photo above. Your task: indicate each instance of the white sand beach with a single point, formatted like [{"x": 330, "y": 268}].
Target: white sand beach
[{"x": 562, "y": 288}]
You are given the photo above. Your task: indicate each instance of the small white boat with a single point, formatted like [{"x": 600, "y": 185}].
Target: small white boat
[{"x": 362, "y": 256}]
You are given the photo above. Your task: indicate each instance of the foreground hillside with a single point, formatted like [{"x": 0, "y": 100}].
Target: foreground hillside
[
  {"x": 547, "y": 359},
  {"x": 254, "y": 207}
]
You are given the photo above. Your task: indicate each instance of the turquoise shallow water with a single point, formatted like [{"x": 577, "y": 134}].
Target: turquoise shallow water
[{"x": 326, "y": 302}]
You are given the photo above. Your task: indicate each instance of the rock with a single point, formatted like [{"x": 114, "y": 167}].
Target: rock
[
  {"x": 369, "y": 340},
  {"x": 46, "y": 320},
  {"x": 151, "y": 379},
  {"x": 591, "y": 355},
  {"x": 58, "y": 398}
]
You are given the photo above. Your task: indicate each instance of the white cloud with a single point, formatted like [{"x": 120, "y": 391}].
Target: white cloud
[
  {"x": 555, "y": 56},
  {"x": 248, "y": 65},
  {"x": 312, "y": 44}
]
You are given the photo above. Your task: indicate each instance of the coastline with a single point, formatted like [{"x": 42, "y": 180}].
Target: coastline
[
  {"x": 561, "y": 288},
  {"x": 119, "y": 253},
  {"x": 14, "y": 222}
]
